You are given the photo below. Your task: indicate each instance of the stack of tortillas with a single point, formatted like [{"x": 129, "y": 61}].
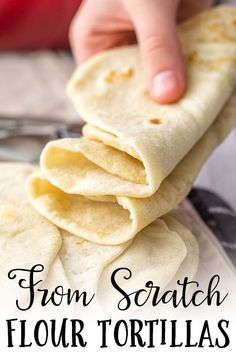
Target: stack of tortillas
[{"x": 108, "y": 191}]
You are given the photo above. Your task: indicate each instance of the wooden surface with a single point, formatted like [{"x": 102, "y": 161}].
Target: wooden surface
[{"x": 34, "y": 83}]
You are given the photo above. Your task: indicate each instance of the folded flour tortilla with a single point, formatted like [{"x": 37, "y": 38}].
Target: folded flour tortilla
[
  {"x": 96, "y": 187},
  {"x": 159, "y": 252},
  {"x": 26, "y": 238},
  {"x": 189, "y": 266},
  {"x": 131, "y": 144},
  {"x": 114, "y": 220},
  {"x": 84, "y": 261},
  {"x": 156, "y": 255}
]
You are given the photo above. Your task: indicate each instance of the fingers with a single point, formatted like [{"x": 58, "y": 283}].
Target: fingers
[
  {"x": 86, "y": 45},
  {"x": 105, "y": 24},
  {"x": 80, "y": 34},
  {"x": 155, "y": 25},
  {"x": 99, "y": 25}
]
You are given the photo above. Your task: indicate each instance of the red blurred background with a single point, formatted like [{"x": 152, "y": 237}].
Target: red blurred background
[{"x": 34, "y": 24}]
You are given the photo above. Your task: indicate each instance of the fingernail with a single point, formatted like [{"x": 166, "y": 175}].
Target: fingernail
[{"x": 166, "y": 86}]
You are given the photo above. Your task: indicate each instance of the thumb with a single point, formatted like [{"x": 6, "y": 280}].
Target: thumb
[{"x": 155, "y": 26}]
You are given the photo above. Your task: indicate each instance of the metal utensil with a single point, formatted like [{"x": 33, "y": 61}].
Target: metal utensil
[{"x": 22, "y": 138}]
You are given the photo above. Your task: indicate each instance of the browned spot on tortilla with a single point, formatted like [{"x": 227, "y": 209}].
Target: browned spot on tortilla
[
  {"x": 78, "y": 242},
  {"x": 155, "y": 121},
  {"x": 114, "y": 76},
  {"x": 195, "y": 59},
  {"x": 192, "y": 57},
  {"x": 215, "y": 27}
]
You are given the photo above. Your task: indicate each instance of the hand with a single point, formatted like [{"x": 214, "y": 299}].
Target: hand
[{"x": 104, "y": 24}]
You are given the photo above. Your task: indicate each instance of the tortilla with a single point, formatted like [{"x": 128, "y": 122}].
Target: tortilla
[
  {"x": 189, "y": 266},
  {"x": 114, "y": 220},
  {"x": 84, "y": 261},
  {"x": 131, "y": 143},
  {"x": 26, "y": 238},
  {"x": 56, "y": 281},
  {"x": 161, "y": 252},
  {"x": 158, "y": 251}
]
